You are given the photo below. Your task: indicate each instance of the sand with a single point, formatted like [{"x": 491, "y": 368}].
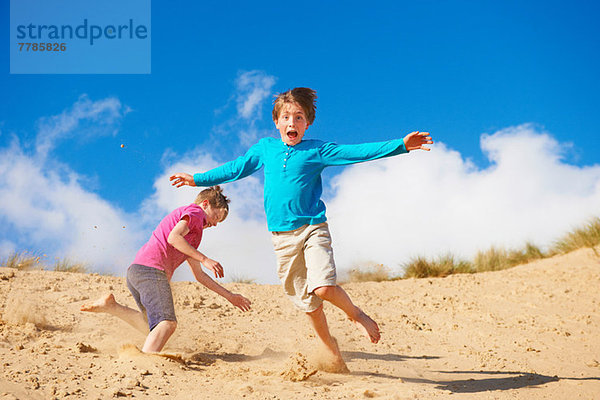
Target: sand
[{"x": 531, "y": 332}]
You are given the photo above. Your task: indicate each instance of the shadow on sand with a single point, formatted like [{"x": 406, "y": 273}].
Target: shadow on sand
[
  {"x": 360, "y": 355},
  {"x": 510, "y": 380},
  {"x": 477, "y": 381},
  {"x": 206, "y": 359}
]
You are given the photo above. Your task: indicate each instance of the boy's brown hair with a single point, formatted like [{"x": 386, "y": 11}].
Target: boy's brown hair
[
  {"x": 305, "y": 97},
  {"x": 215, "y": 197}
]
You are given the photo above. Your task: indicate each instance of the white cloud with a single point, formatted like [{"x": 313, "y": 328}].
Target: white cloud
[
  {"x": 253, "y": 87},
  {"x": 48, "y": 209},
  {"x": 7, "y": 247},
  {"x": 104, "y": 114},
  {"x": 430, "y": 203}
]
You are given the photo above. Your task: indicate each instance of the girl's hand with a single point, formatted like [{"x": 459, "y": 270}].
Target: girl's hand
[
  {"x": 416, "y": 140},
  {"x": 181, "y": 179},
  {"x": 214, "y": 266},
  {"x": 240, "y": 302}
]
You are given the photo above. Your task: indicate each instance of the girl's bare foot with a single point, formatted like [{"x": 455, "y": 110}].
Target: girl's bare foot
[
  {"x": 103, "y": 304},
  {"x": 369, "y": 327}
]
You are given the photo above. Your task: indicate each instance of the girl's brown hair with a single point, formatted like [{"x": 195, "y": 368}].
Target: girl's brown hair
[{"x": 215, "y": 197}]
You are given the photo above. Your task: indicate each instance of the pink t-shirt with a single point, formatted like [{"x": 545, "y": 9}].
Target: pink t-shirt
[{"x": 158, "y": 253}]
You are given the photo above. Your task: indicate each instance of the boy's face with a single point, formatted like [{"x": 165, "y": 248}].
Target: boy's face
[
  {"x": 292, "y": 123},
  {"x": 213, "y": 215}
]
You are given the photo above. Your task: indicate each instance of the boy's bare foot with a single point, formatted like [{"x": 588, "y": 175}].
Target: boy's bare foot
[
  {"x": 336, "y": 366},
  {"x": 329, "y": 359},
  {"x": 103, "y": 304},
  {"x": 369, "y": 327}
]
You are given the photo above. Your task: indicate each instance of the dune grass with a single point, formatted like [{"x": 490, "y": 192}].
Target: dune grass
[
  {"x": 371, "y": 273},
  {"x": 22, "y": 261},
  {"x": 493, "y": 259},
  {"x": 66, "y": 265},
  {"x": 421, "y": 267},
  {"x": 496, "y": 259},
  {"x": 26, "y": 261},
  {"x": 585, "y": 236},
  {"x": 241, "y": 279}
]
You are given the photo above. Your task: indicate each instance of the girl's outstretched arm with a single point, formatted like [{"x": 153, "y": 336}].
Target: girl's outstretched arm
[{"x": 236, "y": 299}]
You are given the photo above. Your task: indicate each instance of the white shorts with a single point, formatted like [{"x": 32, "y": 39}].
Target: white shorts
[{"x": 305, "y": 262}]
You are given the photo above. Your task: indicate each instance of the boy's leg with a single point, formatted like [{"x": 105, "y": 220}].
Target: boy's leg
[
  {"x": 319, "y": 323},
  {"x": 108, "y": 304},
  {"x": 321, "y": 279},
  {"x": 337, "y": 296},
  {"x": 292, "y": 273}
]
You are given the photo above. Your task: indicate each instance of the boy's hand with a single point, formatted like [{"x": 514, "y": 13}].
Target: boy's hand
[
  {"x": 181, "y": 179},
  {"x": 240, "y": 301},
  {"x": 416, "y": 140},
  {"x": 214, "y": 266}
]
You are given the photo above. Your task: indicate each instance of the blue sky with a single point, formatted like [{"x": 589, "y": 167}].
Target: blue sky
[{"x": 524, "y": 73}]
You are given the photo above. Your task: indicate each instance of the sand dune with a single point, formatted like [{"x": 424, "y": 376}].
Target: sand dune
[{"x": 531, "y": 332}]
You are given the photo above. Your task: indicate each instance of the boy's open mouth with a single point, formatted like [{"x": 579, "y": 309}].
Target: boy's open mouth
[{"x": 292, "y": 134}]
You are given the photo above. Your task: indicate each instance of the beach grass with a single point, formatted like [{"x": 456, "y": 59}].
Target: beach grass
[
  {"x": 371, "y": 273},
  {"x": 421, "y": 267},
  {"x": 27, "y": 261},
  {"x": 585, "y": 236},
  {"x": 495, "y": 259},
  {"x": 67, "y": 265},
  {"x": 241, "y": 279},
  {"x": 22, "y": 261}
]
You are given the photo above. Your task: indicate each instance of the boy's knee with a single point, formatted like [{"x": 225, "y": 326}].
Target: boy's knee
[
  {"x": 325, "y": 292},
  {"x": 315, "y": 311}
]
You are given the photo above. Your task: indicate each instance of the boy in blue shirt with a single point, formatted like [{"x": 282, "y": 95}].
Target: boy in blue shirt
[{"x": 295, "y": 211}]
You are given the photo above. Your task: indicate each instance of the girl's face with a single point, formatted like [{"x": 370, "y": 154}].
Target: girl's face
[{"x": 213, "y": 215}]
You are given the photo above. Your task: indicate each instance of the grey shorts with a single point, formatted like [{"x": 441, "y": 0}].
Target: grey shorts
[
  {"x": 152, "y": 292},
  {"x": 305, "y": 262}
]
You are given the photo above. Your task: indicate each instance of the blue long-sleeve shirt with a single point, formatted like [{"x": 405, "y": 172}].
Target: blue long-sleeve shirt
[{"x": 293, "y": 188}]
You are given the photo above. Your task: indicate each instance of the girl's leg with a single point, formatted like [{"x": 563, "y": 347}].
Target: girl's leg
[
  {"x": 108, "y": 304},
  {"x": 155, "y": 340},
  {"x": 158, "y": 336}
]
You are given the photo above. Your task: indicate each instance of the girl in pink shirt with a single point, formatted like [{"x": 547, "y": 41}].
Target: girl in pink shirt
[{"x": 174, "y": 241}]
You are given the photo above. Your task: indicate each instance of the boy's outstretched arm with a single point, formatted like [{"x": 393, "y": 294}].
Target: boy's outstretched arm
[
  {"x": 181, "y": 179},
  {"x": 417, "y": 140},
  {"x": 236, "y": 299},
  {"x": 239, "y": 168}
]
